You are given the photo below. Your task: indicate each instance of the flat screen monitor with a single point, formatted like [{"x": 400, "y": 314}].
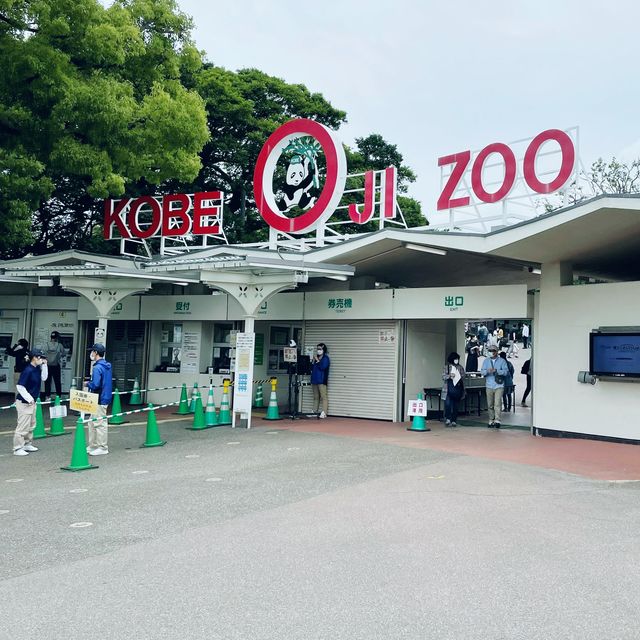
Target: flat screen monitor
[{"x": 614, "y": 354}]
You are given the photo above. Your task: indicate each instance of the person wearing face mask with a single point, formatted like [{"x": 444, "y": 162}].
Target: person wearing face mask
[
  {"x": 20, "y": 351},
  {"x": 27, "y": 392},
  {"x": 452, "y": 389},
  {"x": 495, "y": 371},
  {"x": 55, "y": 353},
  {"x": 101, "y": 383},
  {"x": 319, "y": 379},
  {"x": 473, "y": 351}
]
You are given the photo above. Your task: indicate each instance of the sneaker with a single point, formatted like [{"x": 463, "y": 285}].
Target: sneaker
[
  {"x": 29, "y": 447},
  {"x": 454, "y": 424},
  {"x": 90, "y": 449},
  {"x": 99, "y": 451},
  {"x": 491, "y": 425},
  {"x": 447, "y": 423},
  {"x": 524, "y": 404},
  {"x": 496, "y": 425},
  {"x": 20, "y": 452},
  {"x": 322, "y": 415}
]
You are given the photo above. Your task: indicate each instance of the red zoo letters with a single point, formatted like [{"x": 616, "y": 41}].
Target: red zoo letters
[{"x": 461, "y": 162}]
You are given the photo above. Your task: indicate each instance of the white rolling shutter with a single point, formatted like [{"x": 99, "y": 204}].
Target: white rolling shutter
[{"x": 363, "y": 374}]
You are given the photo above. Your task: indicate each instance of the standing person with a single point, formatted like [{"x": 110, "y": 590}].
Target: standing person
[
  {"x": 525, "y": 336},
  {"x": 101, "y": 383},
  {"x": 27, "y": 392},
  {"x": 507, "y": 396},
  {"x": 320, "y": 378},
  {"x": 55, "y": 353},
  {"x": 495, "y": 371},
  {"x": 452, "y": 389},
  {"x": 527, "y": 368},
  {"x": 473, "y": 351},
  {"x": 19, "y": 351},
  {"x": 512, "y": 343}
]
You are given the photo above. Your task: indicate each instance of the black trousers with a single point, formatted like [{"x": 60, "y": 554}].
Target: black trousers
[
  {"x": 527, "y": 391},
  {"x": 54, "y": 374}
]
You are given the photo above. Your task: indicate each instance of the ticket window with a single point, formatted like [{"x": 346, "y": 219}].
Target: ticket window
[{"x": 223, "y": 351}]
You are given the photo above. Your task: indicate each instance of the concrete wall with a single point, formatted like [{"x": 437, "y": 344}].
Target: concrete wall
[{"x": 565, "y": 317}]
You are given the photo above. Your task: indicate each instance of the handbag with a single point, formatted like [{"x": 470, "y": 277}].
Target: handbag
[{"x": 499, "y": 379}]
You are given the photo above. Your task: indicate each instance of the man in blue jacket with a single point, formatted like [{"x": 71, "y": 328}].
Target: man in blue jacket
[
  {"x": 101, "y": 383},
  {"x": 495, "y": 370}
]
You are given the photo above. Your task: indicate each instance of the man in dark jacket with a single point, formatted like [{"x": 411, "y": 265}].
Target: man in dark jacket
[
  {"x": 101, "y": 383},
  {"x": 27, "y": 392}
]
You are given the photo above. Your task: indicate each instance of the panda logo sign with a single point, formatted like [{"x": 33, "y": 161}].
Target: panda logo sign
[{"x": 299, "y": 177}]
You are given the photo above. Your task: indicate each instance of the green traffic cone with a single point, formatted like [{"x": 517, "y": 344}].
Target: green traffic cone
[
  {"x": 418, "y": 423},
  {"x": 194, "y": 394},
  {"x": 39, "y": 431},
  {"x": 272, "y": 409},
  {"x": 225, "y": 409},
  {"x": 116, "y": 409},
  {"x": 258, "y": 401},
  {"x": 56, "y": 428},
  {"x": 198, "y": 416},
  {"x": 210, "y": 415},
  {"x": 136, "y": 396},
  {"x": 79, "y": 456},
  {"x": 183, "y": 407},
  {"x": 153, "y": 434}
]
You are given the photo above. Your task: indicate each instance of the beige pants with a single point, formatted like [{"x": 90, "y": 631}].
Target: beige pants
[
  {"x": 494, "y": 403},
  {"x": 26, "y": 424},
  {"x": 98, "y": 428},
  {"x": 320, "y": 393}
]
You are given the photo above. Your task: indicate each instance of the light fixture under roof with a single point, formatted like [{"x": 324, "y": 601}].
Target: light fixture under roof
[{"x": 420, "y": 247}]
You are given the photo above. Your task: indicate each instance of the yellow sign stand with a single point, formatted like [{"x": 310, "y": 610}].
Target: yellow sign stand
[{"x": 83, "y": 401}]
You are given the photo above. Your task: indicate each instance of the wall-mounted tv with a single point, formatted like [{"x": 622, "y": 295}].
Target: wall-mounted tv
[{"x": 614, "y": 354}]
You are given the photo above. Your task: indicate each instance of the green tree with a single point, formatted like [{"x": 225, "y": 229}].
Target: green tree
[{"x": 91, "y": 102}]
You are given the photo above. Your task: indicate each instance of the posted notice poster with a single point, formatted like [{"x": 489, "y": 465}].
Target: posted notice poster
[
  {"x": 243, "y": 384},
  {"x": 190, "y": 349}
]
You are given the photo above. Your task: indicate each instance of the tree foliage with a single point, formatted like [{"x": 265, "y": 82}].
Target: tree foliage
[
  {"x": 91, "y": 100},
  {"x": 102, "y": 102}
]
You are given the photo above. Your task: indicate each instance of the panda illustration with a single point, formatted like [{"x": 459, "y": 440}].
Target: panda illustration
[{"x": 299, "y": 183}]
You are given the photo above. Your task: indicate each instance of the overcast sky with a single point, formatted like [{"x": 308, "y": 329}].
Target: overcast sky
[{"x": 435, "y": 78}]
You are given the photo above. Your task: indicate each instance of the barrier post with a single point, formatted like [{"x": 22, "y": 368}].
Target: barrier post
[
  {"x": 418, "y": 423},
  {"x": 116, "y": 408},
  {"x": 183, "y": 407},
  {"x": 56, "y": 428},
  {"x": 136, "y": 396},
  {"x": 194, "y": 395},
  {"x": 152, "y": 438},
  {"x": 39, "y": 431},
  {"x": 79, "y": 455},
  {"x": 258, "y": 401},
  {"x": 225, "y": 409},
  {"x": 272, "y": 409},
  {"x": 210, "y": 415}
]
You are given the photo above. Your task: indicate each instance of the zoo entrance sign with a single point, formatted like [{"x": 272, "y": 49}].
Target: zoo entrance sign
[{"x": 287, "y": 189}]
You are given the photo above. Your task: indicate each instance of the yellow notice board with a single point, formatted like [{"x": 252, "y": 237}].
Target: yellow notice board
[{"x": 83, "y": 401}]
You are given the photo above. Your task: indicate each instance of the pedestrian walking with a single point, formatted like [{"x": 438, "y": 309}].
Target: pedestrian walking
[
  {"x": 507, "y": 396},
  {"x": 27, "y": 392},
  {"x": 525, "y": 336},
  {"x": 494, "y": 370},
  {"x": 452, "y": 389},
  {"x": 101, "y": 383},
  {"x": 473, "y": 352},
  {"x": 527, "y": 369}
]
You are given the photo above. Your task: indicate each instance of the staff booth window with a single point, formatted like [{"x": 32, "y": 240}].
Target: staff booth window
[
  {"x": 223, "y": 334},
  {"x": 171, "y": 346},
  {"x": 279, "y": 337}
]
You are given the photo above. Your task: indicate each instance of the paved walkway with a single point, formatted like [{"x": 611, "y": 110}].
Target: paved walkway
[{"x": 589, "y": 458}]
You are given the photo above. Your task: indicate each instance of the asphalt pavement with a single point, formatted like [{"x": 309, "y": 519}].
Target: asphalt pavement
[{"x": 275, "y": 534}]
